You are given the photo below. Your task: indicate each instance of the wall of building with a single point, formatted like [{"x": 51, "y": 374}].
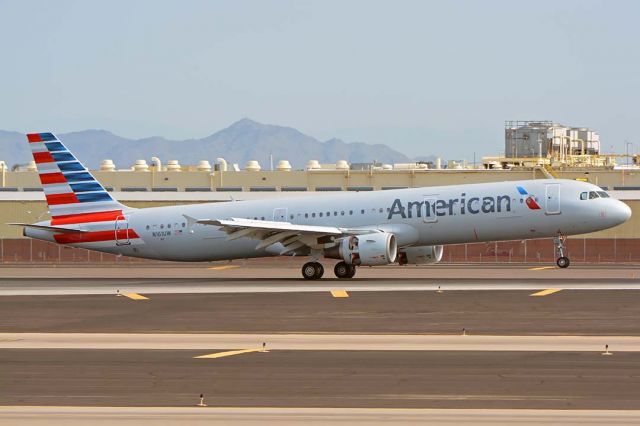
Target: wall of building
[
  {"x": 580, "y": 250},
  {"x": 313, "y": 180}
]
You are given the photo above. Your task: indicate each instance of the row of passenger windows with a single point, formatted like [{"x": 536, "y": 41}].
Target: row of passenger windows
[
  {"x": 593, "y": 194},
  {"x": 329, "y": 214},
  {"x": 161, "y": 226}
]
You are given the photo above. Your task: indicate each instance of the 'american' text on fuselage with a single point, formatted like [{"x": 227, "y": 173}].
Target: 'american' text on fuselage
[{"x": 433, "y": 207}]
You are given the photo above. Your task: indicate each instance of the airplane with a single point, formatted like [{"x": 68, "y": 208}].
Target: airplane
[{"x": 408, "y": 226}]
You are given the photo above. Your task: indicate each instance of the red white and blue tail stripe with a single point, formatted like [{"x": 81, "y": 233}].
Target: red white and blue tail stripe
[{"x": 70, "y": 189}]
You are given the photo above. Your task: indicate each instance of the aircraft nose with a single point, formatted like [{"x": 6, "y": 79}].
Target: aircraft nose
[{"x": 621, "y": 212}]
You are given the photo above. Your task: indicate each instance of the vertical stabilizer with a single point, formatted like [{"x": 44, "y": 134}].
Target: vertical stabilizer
[{"x": 71, "y": 190}]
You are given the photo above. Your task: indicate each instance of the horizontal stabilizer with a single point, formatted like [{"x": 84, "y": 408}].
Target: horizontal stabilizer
[{"x": 56, "y": 229}]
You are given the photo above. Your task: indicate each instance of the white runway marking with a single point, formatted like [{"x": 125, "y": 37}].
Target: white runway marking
[
  {"x": 352, "y": 342},
  {"x": 241, "y": 287},
  {"x": 126, "y": 416}
]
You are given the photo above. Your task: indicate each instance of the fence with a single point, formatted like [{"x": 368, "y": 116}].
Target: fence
[{"x": 591, "y": 250}]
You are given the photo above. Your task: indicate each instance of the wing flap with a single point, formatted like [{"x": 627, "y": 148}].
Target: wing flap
[{"x": 236, "y": 223}]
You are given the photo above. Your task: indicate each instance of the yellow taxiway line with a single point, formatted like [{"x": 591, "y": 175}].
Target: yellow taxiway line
[
  {"x": 541, "y": 268},
  {"x": 339, "y": 293},
  {"x": 223, "y": 267},
  {"x": 546, "y": 292},
  {"x": 135, "y": 296},
  {"x": 231, "y": 353}
]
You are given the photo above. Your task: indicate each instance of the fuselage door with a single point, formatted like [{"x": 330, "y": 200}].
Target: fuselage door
[
  {"x": 430, "y": 215},
  {"x": 552, "y": 198},
  {"x": 280, "y": 215},
  {"x": 122, "y": 231}
]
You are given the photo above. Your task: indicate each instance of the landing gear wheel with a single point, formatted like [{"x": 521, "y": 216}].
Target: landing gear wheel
[
  {"x": 319, "y": 271},
  {"x": 353, "y": 271},
  {"x": 559, "y": 242},
  {"x": 344, "y": 270},
  {"x": 312, "y": 271}
]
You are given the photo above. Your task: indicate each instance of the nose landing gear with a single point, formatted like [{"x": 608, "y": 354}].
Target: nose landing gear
[{"x": 562, "y": 260}]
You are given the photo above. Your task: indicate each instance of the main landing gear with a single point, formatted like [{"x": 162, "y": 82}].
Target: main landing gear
[
  {"x": 312, "y": 271},
  {"x": 315, "y": 270},
  {"x": 563, "y": 261},
  {"x": 343, "y": 270}
]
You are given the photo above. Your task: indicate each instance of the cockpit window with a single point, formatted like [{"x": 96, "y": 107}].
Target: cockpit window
[
  {"x": 593, "y": 194},
  {"x": 583, "y": 195},
  {"x": 603, "y": 194}
]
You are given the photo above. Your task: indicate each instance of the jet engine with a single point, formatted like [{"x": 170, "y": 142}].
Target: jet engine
[
  {"x": 378, "y": 248},
  {"x": 420, "y": 255}
]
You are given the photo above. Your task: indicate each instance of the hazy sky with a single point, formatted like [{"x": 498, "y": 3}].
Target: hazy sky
[{"x": 423, "y": 77}]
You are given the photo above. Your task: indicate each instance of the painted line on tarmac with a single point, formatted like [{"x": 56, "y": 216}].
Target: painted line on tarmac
[
  {"x": 230, "y": 353},
  {"x": 135, "y": 296},
  {"x": 354, "y": 342},
  {"x": 546, "y": 292},
  {"x": 542, "y": 268},
  {"x": 223, "y": 267},
  {"x": 339, "y": 293}
]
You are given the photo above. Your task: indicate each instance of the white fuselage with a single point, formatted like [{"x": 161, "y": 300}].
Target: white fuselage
[{"x": 417, "y": 217}]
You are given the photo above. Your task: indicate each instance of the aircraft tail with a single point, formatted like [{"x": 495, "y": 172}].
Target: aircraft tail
[{"x": 72, "y": 193}]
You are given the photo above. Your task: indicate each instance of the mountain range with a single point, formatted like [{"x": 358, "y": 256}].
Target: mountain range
[{"x": 242, "y": 141}]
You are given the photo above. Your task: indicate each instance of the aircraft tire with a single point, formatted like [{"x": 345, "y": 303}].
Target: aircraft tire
[
  {"x": 310, "y": 271},
  {"x": 352, "y": 271},
  {"x": 319, "y": 271},
  {"x": 563, "y": 262},
  {"x": 343, "y": 270}
]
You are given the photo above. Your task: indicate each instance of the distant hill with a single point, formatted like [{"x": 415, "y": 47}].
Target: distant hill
[{"x": 244, "y": 140}]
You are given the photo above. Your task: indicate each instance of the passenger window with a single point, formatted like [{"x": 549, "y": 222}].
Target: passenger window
[
  {"x": 603, "y": 194},
  {"x": 306, "y": 215},
  {"x": 583, "y": 195},
  {"x": 362, "y": 211},
  {"x": 350, "y": 212},
  {"x": 342, "y": 213},
  {"x": 593, "y": 194},
  {"x": 313, "y": 215},
  {"x": 380, "y": 209},
  {"x": 320, "y": 214}
]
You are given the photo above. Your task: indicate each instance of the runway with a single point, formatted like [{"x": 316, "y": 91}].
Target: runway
[
  {"x": 454, "y": 338},
  {"x": 325, "y": 378},
  {"x": 566, "y": 312}
]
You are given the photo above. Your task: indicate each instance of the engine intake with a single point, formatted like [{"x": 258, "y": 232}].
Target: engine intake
[{"x": 378, "y": 248}]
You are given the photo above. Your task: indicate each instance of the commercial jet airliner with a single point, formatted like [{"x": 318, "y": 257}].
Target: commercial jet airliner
[{"x": 408, "y": 226}]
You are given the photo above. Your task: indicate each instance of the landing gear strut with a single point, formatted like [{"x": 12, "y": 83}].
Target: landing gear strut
[
  {"x": 312, "y": 271},
  {"x": 563, "y": 261},
  {"x": 343, "y": 270}
]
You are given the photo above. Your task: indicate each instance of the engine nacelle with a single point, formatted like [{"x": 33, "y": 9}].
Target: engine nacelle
[
  {"x": 420, "y": 255},
  {"x": 378, "y": 248}
]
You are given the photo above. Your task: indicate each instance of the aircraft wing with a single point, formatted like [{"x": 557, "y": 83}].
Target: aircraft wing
[{"x": 292, "y": 236}]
